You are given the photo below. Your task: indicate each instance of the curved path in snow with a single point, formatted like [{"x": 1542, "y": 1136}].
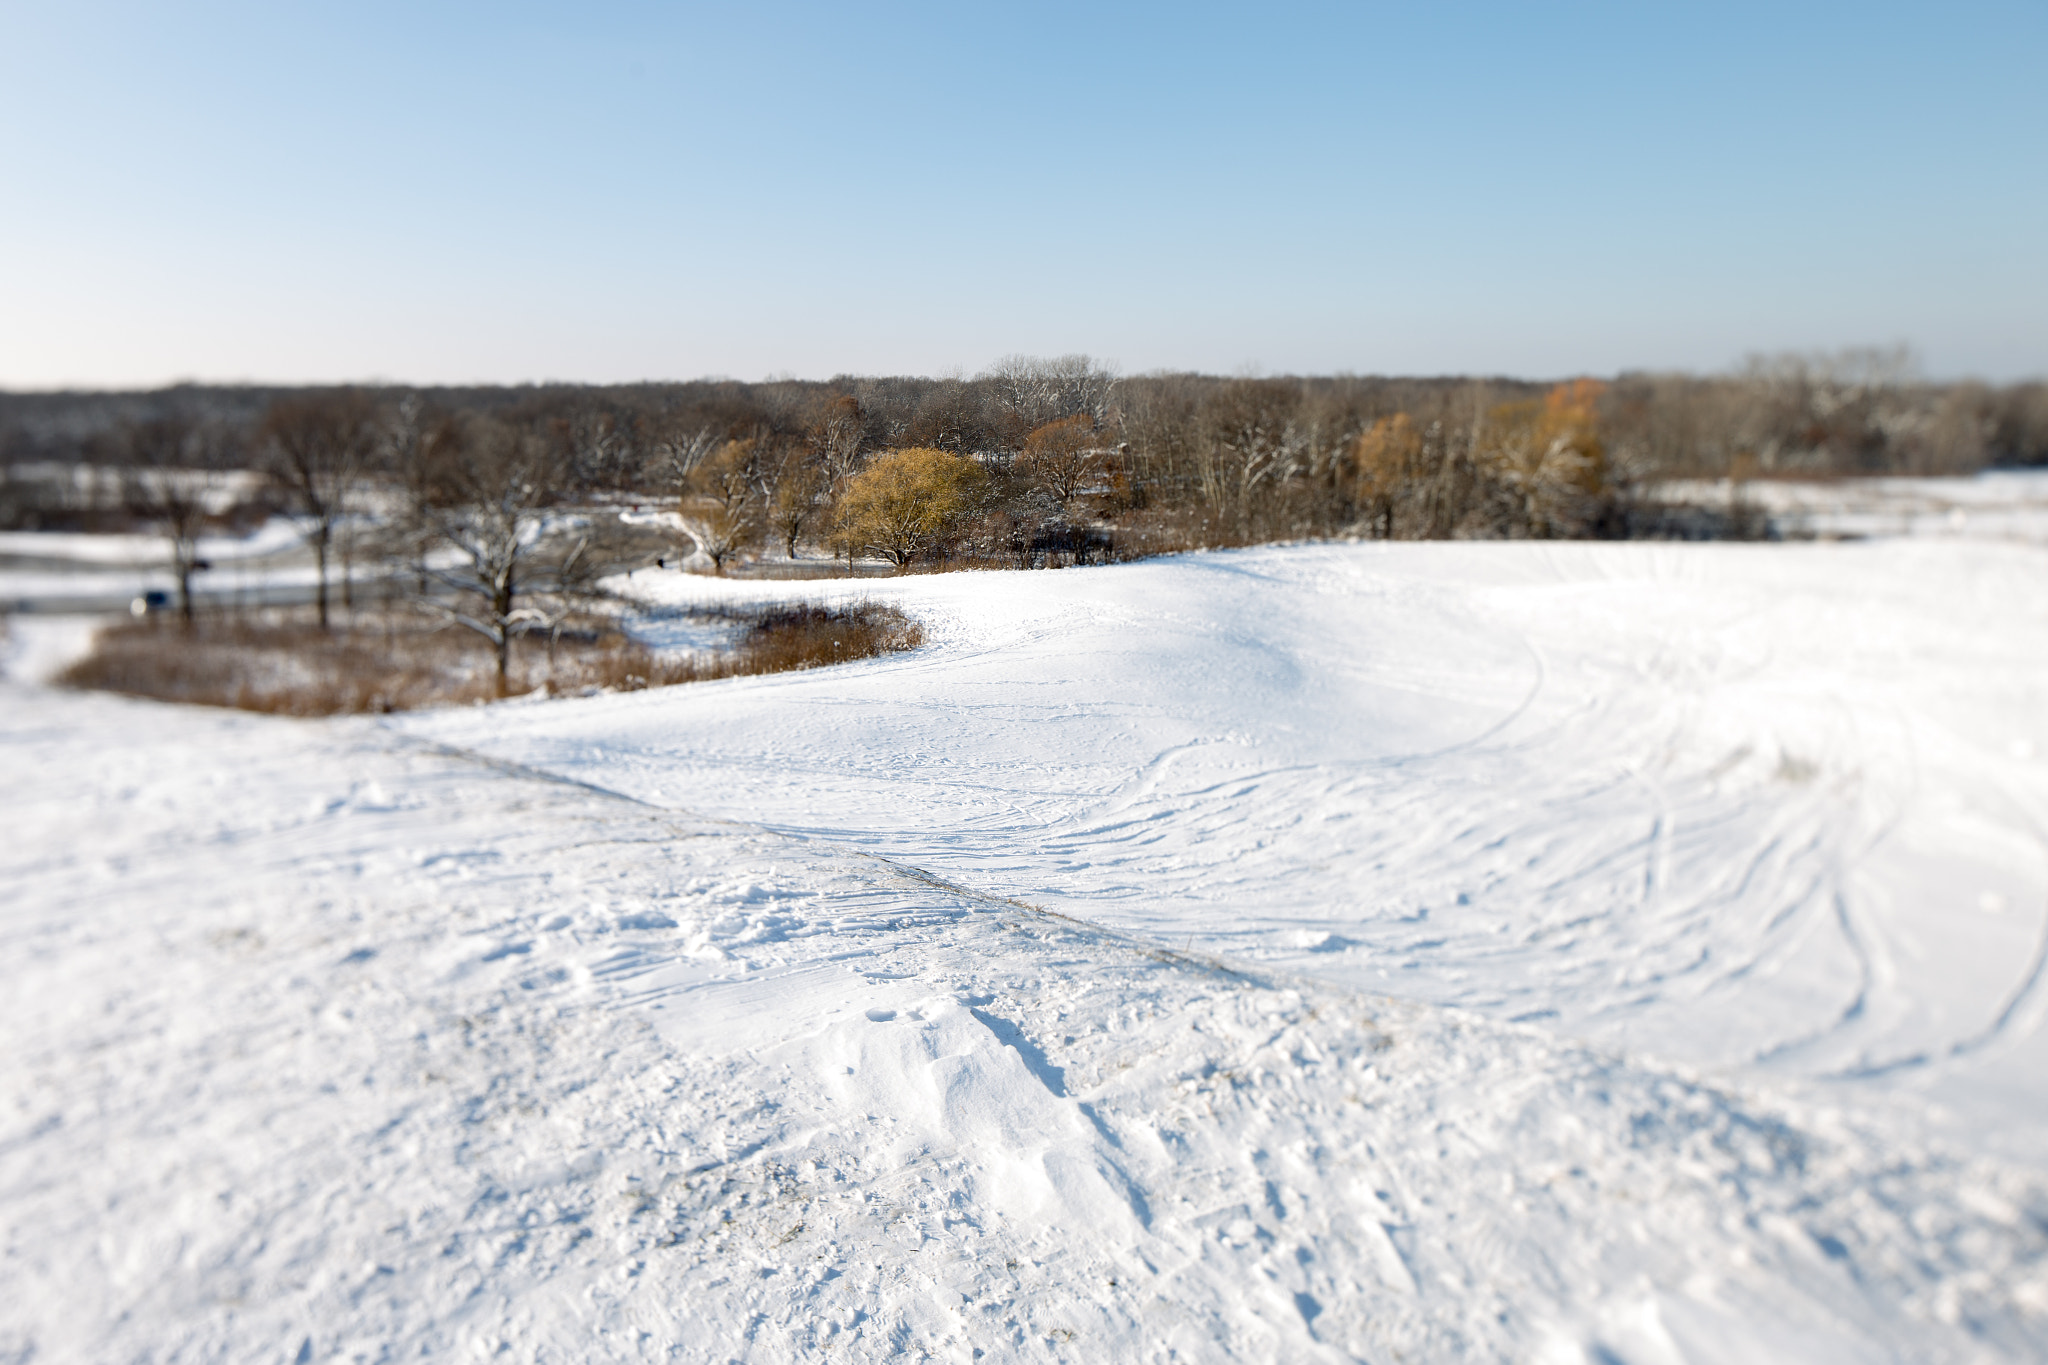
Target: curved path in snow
[{"x": 1783, "y": 806}]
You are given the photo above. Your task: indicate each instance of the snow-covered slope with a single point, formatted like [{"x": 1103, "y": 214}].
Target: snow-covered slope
[
  {"x": 1727, "y": 804},
  {"x": 1411, "y": 952}
]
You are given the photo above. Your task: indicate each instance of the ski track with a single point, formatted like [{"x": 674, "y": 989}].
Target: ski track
[
  {"x": 1728, "y": 724},
  {"x": 1439, "y": 952}
]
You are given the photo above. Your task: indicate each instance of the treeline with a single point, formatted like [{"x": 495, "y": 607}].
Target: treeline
[{"x": 1072, "y": 461}]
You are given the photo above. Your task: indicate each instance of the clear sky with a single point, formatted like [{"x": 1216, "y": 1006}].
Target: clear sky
[{"x": 505, "y": 192}]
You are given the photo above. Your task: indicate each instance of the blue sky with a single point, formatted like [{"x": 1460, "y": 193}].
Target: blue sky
[{"x": 611, "y": 192}]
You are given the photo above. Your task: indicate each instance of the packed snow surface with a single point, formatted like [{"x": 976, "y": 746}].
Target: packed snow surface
[{"x": 1517, "y": 951}]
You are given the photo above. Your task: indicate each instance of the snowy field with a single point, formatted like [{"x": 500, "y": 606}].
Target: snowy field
[
  {"x": 58, "y": 571},
  {"x": 1389, "y": 952},
  {"x": 1997, "y": 504}
]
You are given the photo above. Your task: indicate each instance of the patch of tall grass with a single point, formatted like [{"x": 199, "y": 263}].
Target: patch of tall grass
[{"x": 281, "y": 663}]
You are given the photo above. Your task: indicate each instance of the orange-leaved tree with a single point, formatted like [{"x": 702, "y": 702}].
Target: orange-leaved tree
[
  {"x": 906, "y": 501},
  {"x": 1549, "y": 454},
  {"x": 1388, "y": 457},
  {"x": 1063, "y": 457}
]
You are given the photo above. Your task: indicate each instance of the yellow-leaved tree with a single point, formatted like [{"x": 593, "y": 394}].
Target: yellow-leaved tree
[
  {"x": 906, "y": 501},
  {"x": 721, "y": 504}
]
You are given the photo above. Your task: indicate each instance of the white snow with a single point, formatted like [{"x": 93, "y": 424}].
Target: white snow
[
  {"x": 59, "y": 570},
  {"x": 1736, "y": 804},
  {"x": 1997, "y": 504},
  {"x": 35, "y": 649},
  {"x": 1514, "y": 951},
  {"x": 278, "y": 535}
]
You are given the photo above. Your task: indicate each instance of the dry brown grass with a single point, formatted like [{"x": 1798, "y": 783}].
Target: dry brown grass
[
  {"x": 774, "y": 639},
  {"x": 806, "y": 635},
  {"x": 279, "y": 662}
]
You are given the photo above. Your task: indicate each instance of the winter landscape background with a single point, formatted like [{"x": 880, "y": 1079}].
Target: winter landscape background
[
  {"x": 1163, "y": 683},
  {"x": 1353, "y": 951}
]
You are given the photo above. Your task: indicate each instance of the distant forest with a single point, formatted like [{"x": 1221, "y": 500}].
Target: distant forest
[{"x": 1075, "y": 462}]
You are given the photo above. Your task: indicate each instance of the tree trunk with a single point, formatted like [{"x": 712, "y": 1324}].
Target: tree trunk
[
  {"x": 501, "y": 609},
  {"x": 320, "y": 558},
  {"x": 348, "y": 576}
]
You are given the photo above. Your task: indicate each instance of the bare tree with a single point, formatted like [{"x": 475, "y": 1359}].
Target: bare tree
[
  {"x": 1040, "y": 390},
  {"x": 1252, "y": 440},
  {"x": 603, "y": 451},
  {"x": 315, "y": 448},
  {"x": 796, "y": 494},
  {"x": 835, "y": 434},
  {"x": 482, "y": 510},
  {"x": 1946, "y": 434},
  {"x": 174, "y": 477},
  {"x": 2019, "y": 424},
  {"x": 678, "y": 448},
  {"x": 955, "y": 416}
]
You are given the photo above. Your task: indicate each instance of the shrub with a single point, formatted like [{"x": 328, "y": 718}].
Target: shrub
[{"x": 806, "y": 635}]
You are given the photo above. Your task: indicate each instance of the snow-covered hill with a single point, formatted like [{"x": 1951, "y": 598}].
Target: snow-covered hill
[{"x": 1579, "y": 952}]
